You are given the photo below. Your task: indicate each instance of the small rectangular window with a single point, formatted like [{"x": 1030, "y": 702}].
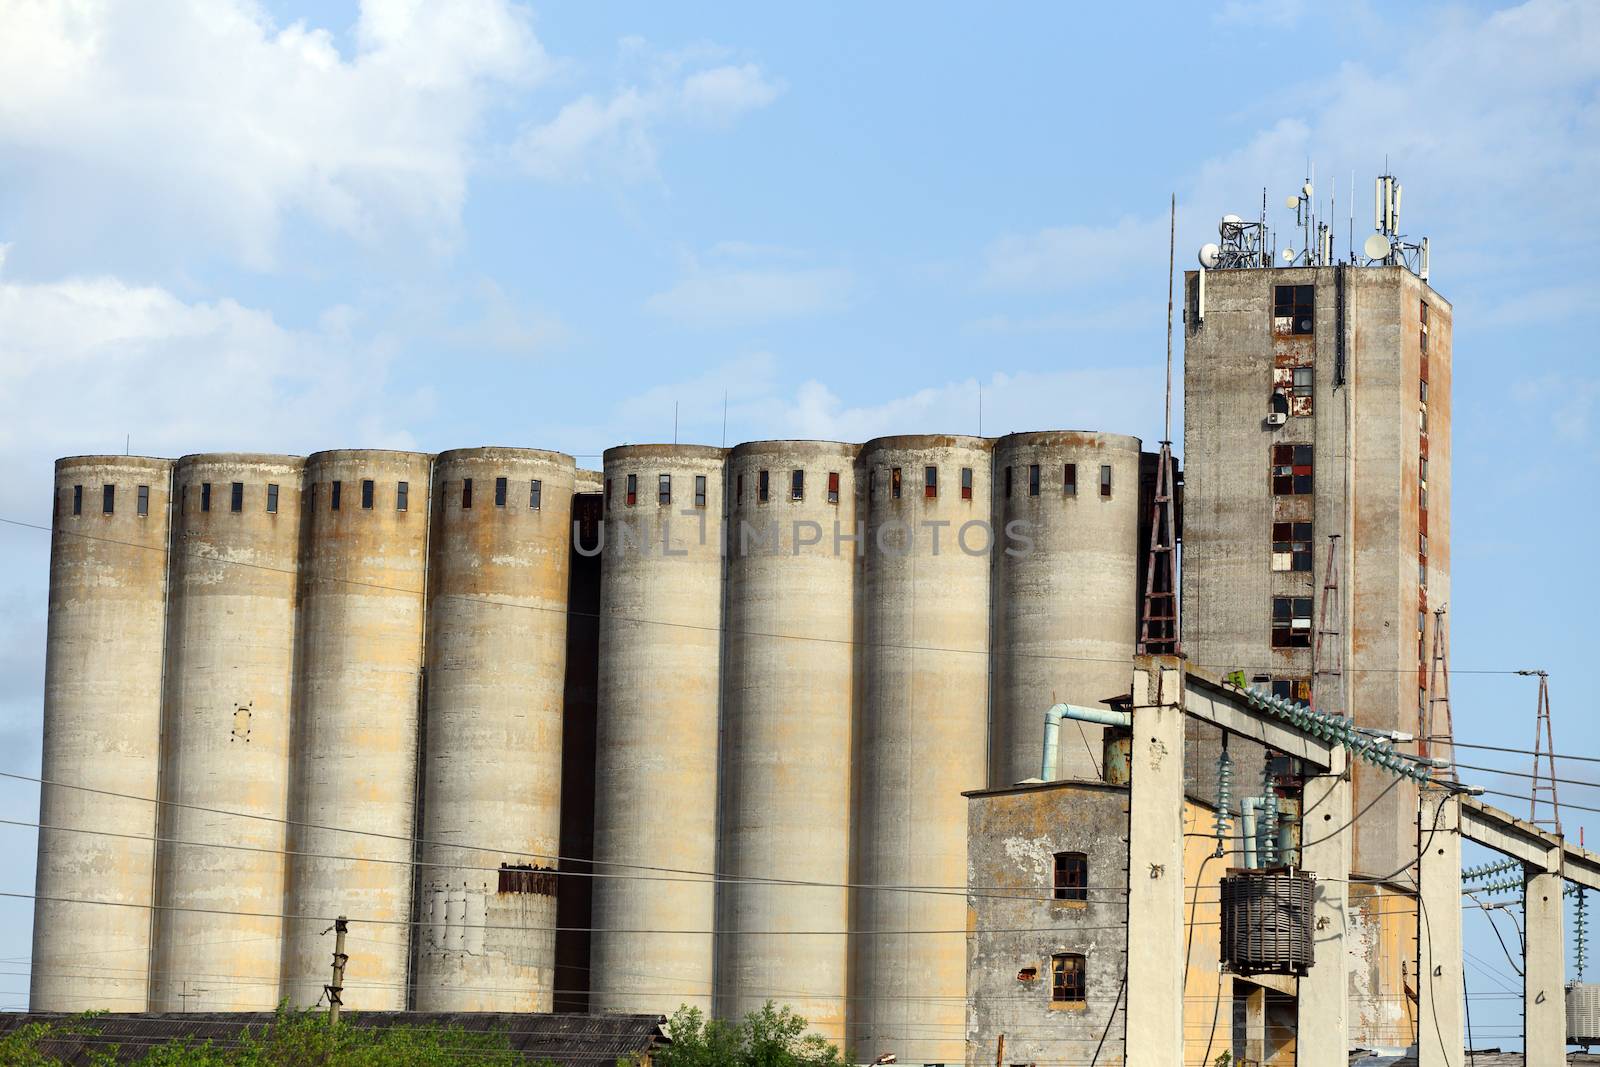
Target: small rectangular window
[
  {"x": 663, "y": 489},
  {"x": 1291, "y": 622},
  {"x": 797, "y": 485},
  {"x": 1292, "y": 689},
  {"x": 833, "y": 487},
  {"x": 144, "y": 500},
  {"x": 966, "y": 483},
  {"x": 1294, "y": 308},
  {"x": 1067, "y": 981},
  {"x": 368, "y": 492},
  {"x": 1008, "y": 483},
  {"x": 1422, "y": 468},
  {"x": 272, "y": 499},
  {"x": 1034, "y": 479},
  {"x": 535, "y": 492},
  {"x": 1291, "y": 470},
  {"x": 894, "y": 483},
  {"x": 1422, "y": 544},
  {"x": 1302, "y": 381},
  {"x": 402, "y": 496},
  {"x": 236, "y": 497},
  {"x": 205, "y": 496},
  {"x": 499, "y": 492},
  {"x": 699, "y": 490},
  {"x": 1105, "y": 479},
  {"x": 77, "y": 500},
  {"x": 1424, "y": 313},
  {"x": 1071, "y": 876},
  {"x": 1422, "y": 418},
  {"x": 1422, "y": 392},
  {"x": 631, "y": 496},
  {"x": 1291, "y": 546},
  {"x": 930, "y": 482},
  {"x": 738, "y": 489},
  {"x": 1069, "y": 480},
  {"x": 333, "y": 495},
  {"x": 466, "y": 494},
  {"x": 608, "y": 493},
  {"x": 108, "y": 499},
  {"x": 763, "y": 487}
]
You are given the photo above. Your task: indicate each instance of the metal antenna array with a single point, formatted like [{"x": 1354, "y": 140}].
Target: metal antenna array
[
  {"x": 1158, "y": 623},
  {"x": 1388, "y": 247},
  {"x": 1544, "y": 746},
  {"x": 1329, "y": 665},
  {"x": 1440, "y": 725}
]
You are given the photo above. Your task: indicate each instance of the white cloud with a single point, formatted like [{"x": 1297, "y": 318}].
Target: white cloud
[
  {"x": 726, "y": 295},
  {"x": 618, "y": 133},
  {"x": 1278, "y": 14},
  {"x": 1059, "y": 257},
  {"x": 200, "y": 118}
]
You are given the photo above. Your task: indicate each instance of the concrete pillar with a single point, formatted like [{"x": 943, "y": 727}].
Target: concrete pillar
[
  {"x": 1255, "y": 1023},
  {"x": 1439, "y": 930},
  {"x": 1544, "y": 1019},
  {"x": 1155, "y": 865},
  {"x": 1326, "y": 838}
]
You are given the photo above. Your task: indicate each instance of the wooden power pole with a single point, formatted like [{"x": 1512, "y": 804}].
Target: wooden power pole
[{"x": 335, "y": 990}]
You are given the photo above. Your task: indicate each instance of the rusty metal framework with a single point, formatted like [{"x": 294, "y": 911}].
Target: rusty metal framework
[
  {"x": 1158, "y": 621},
  {"x": 1544, "y": 747},
  {"x": 1329, "y": 664},
  {"x": 1440, "y": 724}
]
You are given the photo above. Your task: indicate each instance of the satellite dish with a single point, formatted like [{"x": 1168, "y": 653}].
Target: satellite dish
[
  {"x": 1306, "y": 188},
  {"x": 1228, "y": 220},
  {"x": 1208, "y": 255},
  {"x": 1291, "y": 202},
  {"x": 1288, "y": 255},
  {"x": 1376, "y": 247}
]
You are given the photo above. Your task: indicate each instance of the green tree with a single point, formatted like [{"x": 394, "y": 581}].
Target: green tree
[{"x": 769, "y": 1037}]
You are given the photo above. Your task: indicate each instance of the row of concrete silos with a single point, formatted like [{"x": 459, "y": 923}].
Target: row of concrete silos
[
  {"x": 245, "y": 637},
  {"x": 806, "y": 650},
  {"x": 877, "y": 641}
]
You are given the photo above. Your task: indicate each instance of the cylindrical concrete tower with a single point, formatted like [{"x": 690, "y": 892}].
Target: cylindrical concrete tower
[
  {"x": 788, "y": 693},
  {"x": 920, "y": 740},
  {"x": 1066, "y": 614},
  {"x": 226, "y": 733},
  {"x": 102, "y": 728},
  {"x": 656, "y": 760},
  {"x": 497, "y": 639},
  {"x": 358, "y": 685}
]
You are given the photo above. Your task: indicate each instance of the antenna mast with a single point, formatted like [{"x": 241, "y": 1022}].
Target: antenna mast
[
  {"x": 1439, "y": 727},
  {"x": 1329, "y": 667},
  {"x": 1158, "y": 625},
  {"x": 1544, "y": 746}
]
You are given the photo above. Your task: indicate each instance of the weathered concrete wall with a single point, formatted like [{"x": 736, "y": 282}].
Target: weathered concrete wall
[
  {"x": 492, "y": 774},
  {"x": 656, "y": 761},
  {"x": 788, "y": 684},
  {"x": 1380, "y": 954},
  {"x": 358, "y": 691},
  {"x": 226, "y": 734},
  {"x": 102, "y": 726},
  {"x": 921, "y": 741},
  {"x": 1065, "y": 615}
]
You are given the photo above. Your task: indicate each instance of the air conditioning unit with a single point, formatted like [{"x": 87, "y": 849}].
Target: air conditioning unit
[
  {"x": 1583, "y": 1013},
  {"x": 1277, "y": 418},
  {"x": 1267, "y": 921}
]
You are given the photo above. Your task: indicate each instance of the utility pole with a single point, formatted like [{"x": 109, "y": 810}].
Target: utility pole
[
  {"x": 1439, "y": 726},
  {"x": 335, "y": 990},
  {"x": 1544, "y": 746},
  {"x": 1159, "y": 628}
]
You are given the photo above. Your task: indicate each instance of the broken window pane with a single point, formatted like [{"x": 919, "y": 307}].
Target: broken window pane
[
  {"x": 402, "y": 495},
  {"x": 1071, "y": 876},
  {"x": 1069, "y": 480},
  {"x": 833, "y": 487},
  {"x": 797, "y": 485},
  {"x": 930, "y": 481},
  {"x": 535, "y": 493},
  {"x": 966, "y": 483}
]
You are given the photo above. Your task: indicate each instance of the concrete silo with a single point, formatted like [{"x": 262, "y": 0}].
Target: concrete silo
[
  {"x": 497, "y": 640},
  {"x": 1066, "y": 612},
  {"x": 656, "y": 756},
  {"x": 358, "y": 681},
  {"x": 102, "y": 728},
  {"x": 920, "y": 739},
  {"x": 226, "y": 733},
  {"x": 788, "y": 694}
]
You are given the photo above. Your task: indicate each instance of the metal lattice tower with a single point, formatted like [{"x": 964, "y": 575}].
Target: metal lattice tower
[
  {"x": 1544, "y": 746},
  {"x": 1158, "y": 622},
  {"x": 1440, "y": 725},
  {"x": 1327, "y": 654}
]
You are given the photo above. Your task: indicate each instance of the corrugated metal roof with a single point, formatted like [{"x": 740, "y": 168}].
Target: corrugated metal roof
[{"x": 565, "y": 1038}]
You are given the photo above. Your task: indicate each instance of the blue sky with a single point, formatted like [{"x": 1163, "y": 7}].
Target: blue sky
[{"x": 293, "y": 227}]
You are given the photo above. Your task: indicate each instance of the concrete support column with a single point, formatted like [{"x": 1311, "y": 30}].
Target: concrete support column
[
  {"x": 1155, "y": 865},
  {"x": 1326, "y": 835},
  {"x": 1544, "y": 1017},
  {"x": 1439, "y": 930}
]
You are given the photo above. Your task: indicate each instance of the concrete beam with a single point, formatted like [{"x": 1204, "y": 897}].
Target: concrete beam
[
  {"x": 1154, "y": 1017},
  {"x": 1520, "y": 839},
  {"x": 1544, "y": 1016},
  {"x": 1323, "y": 1025},
  {"x": 1208, "y": 699},
  {"x": 1439, "y": 986}
]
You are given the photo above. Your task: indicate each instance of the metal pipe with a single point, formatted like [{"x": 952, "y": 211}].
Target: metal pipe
[
  {"x": 1247, "y": 829},
  {"x": 1052, "y": 730}
]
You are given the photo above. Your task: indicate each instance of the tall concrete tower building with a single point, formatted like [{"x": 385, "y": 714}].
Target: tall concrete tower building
[{"x": 1317, "y": 404}]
